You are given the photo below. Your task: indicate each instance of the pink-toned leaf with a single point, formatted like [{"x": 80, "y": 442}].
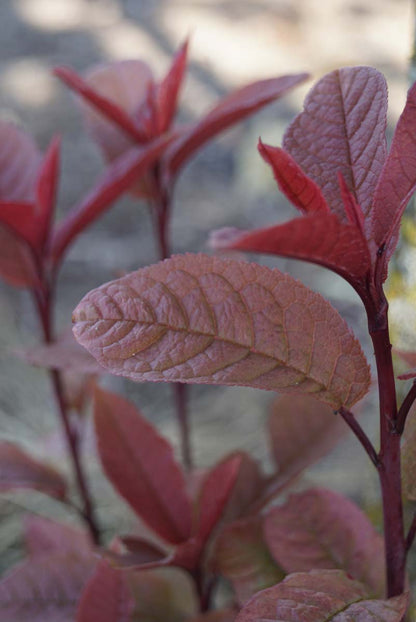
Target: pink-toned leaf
[
  {"x": 301, "y": 191},
  {"x": 318, "y": 238},
  {"x": 20, "y": 219},
  {"x": 117, "y": 179},
  {"x": 215, "y": 492},
  {"x": 45, "y": 588},
  {"x": 398, "y": 180},
  {"x": 17, "y": 264},
  {"x": 201, "y": 319},
  {"x": 44, "y": 537},
  {"x": 20, "y": 160},
  {"x": 323, "y": 529},
  {"x": 233, "y": 108},
  {"x": 18, "y": 471},
  {"x": 241, "y": 555},
  {"x": 248, "y": 487},
  {"x": 408, "y": 456},
  {"x": 111, "y": 94},
  {"x": 168, "y": 89},
  {"x": 106, "y": 597},
  {"x": 342, "y": 130},
  {"x": 141, "y": 550},
  {"x": 353, "y": 211},
  {"x": 301, "y": 432},
  {"x": 141, "y": 465},
  {"x": 321, "y": 596},
  {"x": 46, "y": 190}
]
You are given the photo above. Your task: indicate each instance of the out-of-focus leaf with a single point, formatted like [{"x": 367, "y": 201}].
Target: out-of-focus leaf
[
  {"x": 168, "y": 90},
  {"x": 323, "y": 529},
  {"x": 44, "y": 537},
  {"x": 241, "y": 555},
  {"x": 233, "y": 108},
  {"x": 141, "y": 466},
  {"x": 408, "y": 455},
  {"x": 45, "y": 588},
  {"x": 118, "y": 177},
  {"x": 248, "y": 487},
  {"x": 301, "y": 432},
  {"x": 19, "y": 470},
  {"x": 17, "y": 265},
  {"x": 321, "y": 596},
  {"x": 219, "y": 615},
  {"x": 20, "y": 161},
  {"x": 342, "y": 130},
  {"x": 106, "y": 597},
  {"x": 47, "y": 188},
  {"x": 201, "y": 319}
]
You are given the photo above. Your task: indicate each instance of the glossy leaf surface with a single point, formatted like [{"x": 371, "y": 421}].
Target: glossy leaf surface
[
  {"x": 323, "y": 529},
  {"x": 202, "y": 319},
  {"x": 320, "y": 596},
  {"x": 141, "y": 465}
]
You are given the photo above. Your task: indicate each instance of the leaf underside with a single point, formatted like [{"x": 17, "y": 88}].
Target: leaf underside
[{"x": 201, "y": 319}]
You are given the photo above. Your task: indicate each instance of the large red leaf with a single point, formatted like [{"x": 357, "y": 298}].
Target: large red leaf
[
  {"x": 322, "y": 529},
  {"x": 398, "y": 179},
  {"x": 301, "y": 191},
  {"x": 321, "y": 596},
  {"x": 117, "y": 179},
  {"x": 20, "y": 220},
  {"x": 342, "y": 130},
  {"x": 241, "y": 556},
  {"x": 318, "y": 238},
  {"x": 46, "y": 190},
  {"x": 202, "y": 319},
  {"x": 301, "y": 431},
  {"x": 141, "y": 465},
  {"x": 235, "y": 107},
  {"x": 20, "y": 160},
  {"x": 18, "y": 471},
  {"x": 106, "y": 597},
  {"x": 168, "y": 90}
]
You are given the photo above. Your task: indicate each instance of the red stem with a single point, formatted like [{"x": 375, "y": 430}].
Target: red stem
[
  {"x": 43, "y": 304},
  {"x": 389, "y": 459}
]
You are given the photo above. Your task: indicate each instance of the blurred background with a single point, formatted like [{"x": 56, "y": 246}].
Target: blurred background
[{"x": 232, "y": 42}]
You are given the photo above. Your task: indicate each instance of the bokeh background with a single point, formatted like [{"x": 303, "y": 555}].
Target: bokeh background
[{"x": 232, "y": 42}]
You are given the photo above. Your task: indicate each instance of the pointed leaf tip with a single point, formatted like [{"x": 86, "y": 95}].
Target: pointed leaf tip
[{"x": 207, "y": 320}]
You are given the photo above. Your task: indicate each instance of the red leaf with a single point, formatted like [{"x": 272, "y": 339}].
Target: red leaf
[
  {"x": 241, "y": 556},
  {"x": 44, "y": 536},
  {"x": 248, "y": 487},
  {"x": 318, "y": 238},
  {"x": 321, "y": 596},
  {"x": 168, "y": 90},
  {"x": 19, "y": 470},
  {"x": 116, "y": 91},
  {"x": 20, "y": 160},
  {"x": 215, "y": 492},
  {"x": 17, "y": 264},
  {"x": 323, "y": 529},
  {"x": 342, "y": 129},
  {"x": 141, "y": 466},
  {"x": 397, "y": 182},
  {"x": 20, "y": 219},
  {"x": 106, "y": 597},
  {"x": 254, "y": 326},
  {"x": 47, "y": 188},
  {"x": 117, "y": 179},
  {"x": 301, "y": 431},
  {"x": 301, "y": 191},
  {"x": 233, "y": 108}
]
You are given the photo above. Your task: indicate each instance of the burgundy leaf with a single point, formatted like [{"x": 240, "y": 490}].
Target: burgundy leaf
[
  {"x": 21, "y": 221},
  {"x": 140, "y": 464},
  {"x": 47, "y": 188},
  {"x": 342, "y": 130},
  {"x": 44, "y": 537},
  {"x": 321, "y": 596},
  {"x": 113, "y": 93},
  {"x": 408, "y": 455},
  {"x": 235, "y": 107},
  {"x": 168, "y": 90},
  {"x": 106, "y": 597},
  {"x": 17, "y": 263},
  {"x": 215, "y": 492},
  {"x": 20, "y": 160},
  {"x": 323, "y": 529},
  {"x": 318, "y": 238},
  {"x": 202, "y": 319},
  {"x": 248, "y": 487},
  {"x": 398, "y": 180},
  {"x": 45, "y": 588},
  {"x": 241, "y": 555},
  {"x": 18, "y": 470},
  {"x": 142, "y": 550},
  {"x": 301, "y": 191},
  {"x": 353, "y": 211},
  {"x": 117, "y": 179},
  {"x": 302, "y": 431}
]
